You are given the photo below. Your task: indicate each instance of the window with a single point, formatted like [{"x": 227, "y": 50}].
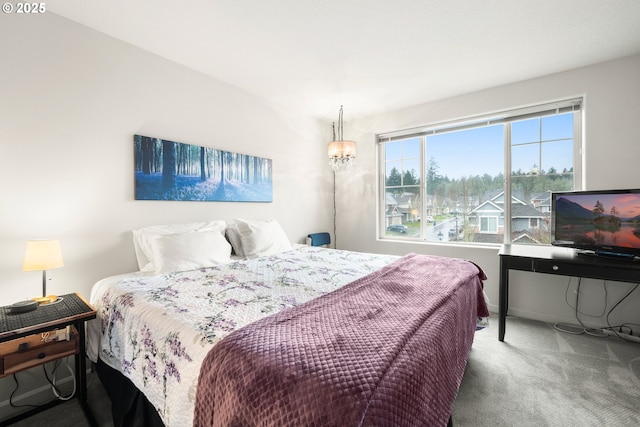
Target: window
[
  {"x": 447, "y": 182},
  {"x": 489, "y": 224}
]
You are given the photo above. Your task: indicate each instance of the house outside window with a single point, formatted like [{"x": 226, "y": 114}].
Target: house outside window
[{"x": 447, "y": 182}]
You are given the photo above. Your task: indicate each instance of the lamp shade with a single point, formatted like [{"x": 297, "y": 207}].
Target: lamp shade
[
  {"x": 341, "y": 149},
  {"x": 42, "y": 255}
]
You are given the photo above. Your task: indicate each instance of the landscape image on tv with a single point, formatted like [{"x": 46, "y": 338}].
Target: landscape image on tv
[{"x": 599, "y": 219}]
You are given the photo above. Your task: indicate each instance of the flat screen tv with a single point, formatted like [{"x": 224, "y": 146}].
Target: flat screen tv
[{"x": 601, "y": 222}]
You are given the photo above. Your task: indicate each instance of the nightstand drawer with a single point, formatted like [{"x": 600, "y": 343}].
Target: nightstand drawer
[{"x": 13, "y": 360}]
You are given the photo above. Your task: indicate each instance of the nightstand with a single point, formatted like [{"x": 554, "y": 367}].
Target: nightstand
[{"x": 21, "y": 345}]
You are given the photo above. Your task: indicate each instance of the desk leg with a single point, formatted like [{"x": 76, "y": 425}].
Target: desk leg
[
  {"x": 81, "y": 373},
  {"x": 503, "y": 299}
]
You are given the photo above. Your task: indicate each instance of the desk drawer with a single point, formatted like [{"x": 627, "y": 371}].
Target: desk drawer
[
  {"x": 35, "y": 355},
  {"x": 517, "y": 263},
  {"x": 554, "y": 267},
  {"x": 595, "y": 270}
]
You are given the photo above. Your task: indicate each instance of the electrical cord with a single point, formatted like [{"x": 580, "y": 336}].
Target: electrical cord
[
  {"x": 596, "y": 332},
  {"x": 624, "y": 325},
  {"x": 52, "y": 381},
  {"x": 613, "y": 328},
  {"x": 567, "y": 328},
  {"x": 566, "y": 298},
  {"x": 13, "y": 405},
  {"x": 54, "y": 388}
]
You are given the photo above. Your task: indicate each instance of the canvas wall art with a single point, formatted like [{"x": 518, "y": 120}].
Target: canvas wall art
[{"x": 167, "y": 170}]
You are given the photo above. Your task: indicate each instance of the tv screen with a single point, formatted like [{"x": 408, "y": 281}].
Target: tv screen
[{"x": 605, "y": 222}]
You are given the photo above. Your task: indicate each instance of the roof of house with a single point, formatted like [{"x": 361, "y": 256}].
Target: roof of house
[
  {"x": 525, "y": 211},
  {"x": 518, "y": 209}
]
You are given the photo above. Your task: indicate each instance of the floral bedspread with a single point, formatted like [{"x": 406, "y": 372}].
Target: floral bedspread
[{"x": 156, "y": 330}]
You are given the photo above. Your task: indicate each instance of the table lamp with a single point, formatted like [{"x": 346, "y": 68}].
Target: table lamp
[{"x": 43, "y": 255}]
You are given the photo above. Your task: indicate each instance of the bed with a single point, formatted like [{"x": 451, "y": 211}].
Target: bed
[{"x": 279, "y": 334}]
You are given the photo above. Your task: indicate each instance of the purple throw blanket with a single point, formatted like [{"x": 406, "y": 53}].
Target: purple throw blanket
[{"x": 388, "y": 349}]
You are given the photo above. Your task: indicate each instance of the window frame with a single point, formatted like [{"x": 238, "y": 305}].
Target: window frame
[{"x": 575, "y": 105}]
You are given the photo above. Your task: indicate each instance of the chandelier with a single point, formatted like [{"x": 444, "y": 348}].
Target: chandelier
[{"x": 342, "y": 154}]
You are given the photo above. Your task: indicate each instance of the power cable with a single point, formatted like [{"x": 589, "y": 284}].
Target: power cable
[{"x": 596, "y": 332}]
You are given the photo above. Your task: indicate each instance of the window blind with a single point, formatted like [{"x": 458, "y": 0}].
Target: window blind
[{"x": 541, "y": 110}]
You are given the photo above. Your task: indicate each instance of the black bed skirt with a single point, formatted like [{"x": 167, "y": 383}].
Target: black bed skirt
[{"x": 129, "y": 406}]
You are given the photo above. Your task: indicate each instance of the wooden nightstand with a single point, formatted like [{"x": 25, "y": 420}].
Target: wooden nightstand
[{"x": 21, "y": 345}]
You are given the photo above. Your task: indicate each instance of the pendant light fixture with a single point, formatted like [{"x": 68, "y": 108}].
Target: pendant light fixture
[{"x": 342, "y": 154}]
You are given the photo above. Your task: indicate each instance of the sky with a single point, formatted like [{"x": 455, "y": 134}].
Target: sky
[{"x": 480, "y": 150}]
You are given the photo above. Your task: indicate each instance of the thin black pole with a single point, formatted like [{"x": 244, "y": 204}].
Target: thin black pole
[
  {"x": 44, "y": 283},
  {"x": 335, "y": 239}
]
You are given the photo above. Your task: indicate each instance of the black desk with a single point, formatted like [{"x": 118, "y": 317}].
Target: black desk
[{"x": 556, "y": 260}]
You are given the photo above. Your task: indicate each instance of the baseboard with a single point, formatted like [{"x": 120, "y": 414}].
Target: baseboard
[
  {"x": 547, "y": 318},
  {"x": 542, "y": 317}
]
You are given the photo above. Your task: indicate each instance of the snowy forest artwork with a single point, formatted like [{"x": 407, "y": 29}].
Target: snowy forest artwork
[{"x": 167, "y": 170}]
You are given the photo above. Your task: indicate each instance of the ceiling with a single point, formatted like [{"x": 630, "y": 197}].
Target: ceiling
[{"x": 312, "y": 56}]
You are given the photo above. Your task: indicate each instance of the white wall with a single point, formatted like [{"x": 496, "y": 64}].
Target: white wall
[
  {"x": 611, "y": 152},
  {"x": 72, "y": 99}
]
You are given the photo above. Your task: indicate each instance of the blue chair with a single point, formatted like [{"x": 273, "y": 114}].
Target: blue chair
[{"x": 319, "y": 239}]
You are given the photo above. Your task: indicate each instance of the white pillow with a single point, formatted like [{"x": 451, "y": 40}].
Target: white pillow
[
  {"x": 189, "y": 251},
  {"x": 142, "y": 238},
  {"x": 233, "y": 234},
  {"x": 259, "y": 238}
]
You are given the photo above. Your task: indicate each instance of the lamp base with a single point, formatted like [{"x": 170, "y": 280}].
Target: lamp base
[
  {"x": 49, "y": 299},
  {"x": 23, "y": 306}
]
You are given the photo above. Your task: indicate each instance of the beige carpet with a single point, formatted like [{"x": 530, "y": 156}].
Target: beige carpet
[{"x": 542, "y": 377}]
